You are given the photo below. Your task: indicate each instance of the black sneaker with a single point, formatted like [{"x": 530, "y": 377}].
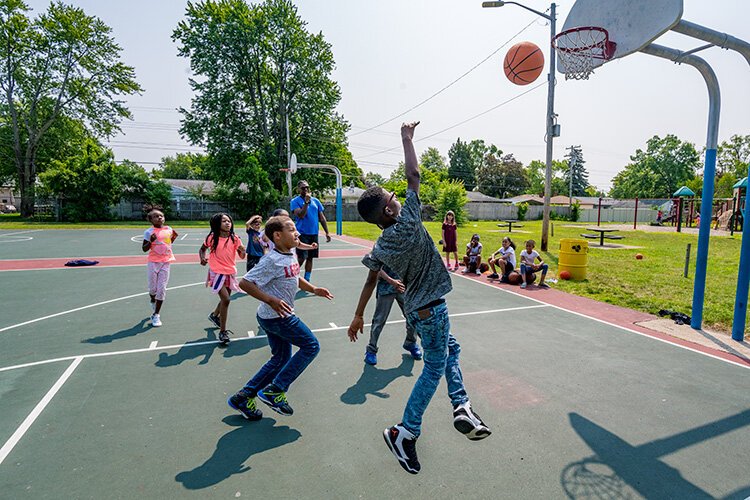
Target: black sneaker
[
  {"x": 224, "y": 337},
  {"x": 276, "y": 399},
  {"x": 245, "y": 405},
  {"x": 403, "y": 445},
  {"x": 493, "y": 276},
  {"x": 214, "y": 319},
  {"x": 468, "y": 423}
]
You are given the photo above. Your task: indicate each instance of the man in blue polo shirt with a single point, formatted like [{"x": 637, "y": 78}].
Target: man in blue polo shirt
[{"x": 308, "y": 212}]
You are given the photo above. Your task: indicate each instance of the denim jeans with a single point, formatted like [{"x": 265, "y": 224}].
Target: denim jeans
[
  {"x": 283, "y": 368},
  {"x": 440, "y": 358},
  {"x": 380, "y": 317},
  {"x": 526, "y": 268}
]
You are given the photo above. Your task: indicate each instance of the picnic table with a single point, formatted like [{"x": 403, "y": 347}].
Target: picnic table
[
  {"x": 509, "y": 224},
  {"x": 602, "y": 231}
]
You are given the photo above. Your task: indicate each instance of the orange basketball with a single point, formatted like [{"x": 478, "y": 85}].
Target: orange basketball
[
  {"x": 564, "y": 275},
  {"x": 639, "y": 256},
  {"x": 524, "y": 63}
]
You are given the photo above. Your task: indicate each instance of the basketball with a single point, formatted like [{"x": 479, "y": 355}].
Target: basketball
[
  {"x": 524, "y": 63},
  {"x": 564, "y": 275},
  {"x": 514, "y": 278},
  {"x": 483, "y": 268},
  {"x": 441, "y": 242},
  {"x": 530, "y": 278},
  {"x": 639, "y": 256}
]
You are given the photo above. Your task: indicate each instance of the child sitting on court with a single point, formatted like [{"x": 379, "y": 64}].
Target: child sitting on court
[
  {"x": 406, "y": 247},
  {"x": 223, "y": 245},
  {"x": 255, "y": 245},
  {"x": 473, "y": 257},
  {"x": 157, "y": 241},
  {"x": 528, "y": 256},
  {"x": 274, "y": 281},
  {"x": 506, "y": 260}
]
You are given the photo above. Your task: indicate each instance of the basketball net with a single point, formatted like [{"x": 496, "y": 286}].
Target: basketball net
[{"x": 578, "y": 48}]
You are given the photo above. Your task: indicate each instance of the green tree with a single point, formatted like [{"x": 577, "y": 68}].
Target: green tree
[
  {"x": 374, "y": 179},
  {"x": 182, "y": 166},
  {"x": 733, "y": 156},
  {"x": 576, "y": 168},
  {"x": 247, "y": 188},
  {"x": 256, "y": 68},
  {"x": 61, "y": 63},
  {"x": 724, "y": 185},
  {"x": 465, "y": 158},
  {"x": 431, "y": 160},
  {"x": 659, "y": 171},
  {"x": 535, "y": 174},
  {"x": 501, "y": 176}
]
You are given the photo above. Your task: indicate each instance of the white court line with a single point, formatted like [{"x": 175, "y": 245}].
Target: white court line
[
  {"x": 21, "y": 239},
  {"x": 136, "y": 295},
  {"x": 22, "y": 232},
  {"x": 250, "y": 334},
  {"x": 209, "y": 342},
  {"x": 184, "y": 236},
  {"x": 16, "y": 437},
  {"x": 153, "y": 344},
  {"x": 355, "y": 244},
  {"x": 620, "y": 327},
  {"x": 333, "y": 325}
]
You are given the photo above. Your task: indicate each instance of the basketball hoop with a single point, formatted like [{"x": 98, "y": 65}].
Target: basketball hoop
[{"x": 578, "y": 48}]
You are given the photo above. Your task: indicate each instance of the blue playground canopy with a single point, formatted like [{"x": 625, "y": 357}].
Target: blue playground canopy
[
  {"x": 684, "y": 191},
  {"x": 742, "y": 183}
]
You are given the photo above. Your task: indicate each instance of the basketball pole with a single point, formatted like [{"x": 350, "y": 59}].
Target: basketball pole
[
  {"x": 709, "y": 169},
  {"x": 550, "y": 135}
]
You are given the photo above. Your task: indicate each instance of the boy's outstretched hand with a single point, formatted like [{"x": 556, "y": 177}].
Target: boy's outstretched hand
[
  {"x": 407, "y": 130},
  {"x": 322, "y": 292},
  {"x": 357, "y": 326}
]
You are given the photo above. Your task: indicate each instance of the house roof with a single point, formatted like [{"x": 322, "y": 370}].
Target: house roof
[
  {"x": 187, "y": 184},
  {"x": 531, "y": 199},
  {"x": 477, "y": 197}
]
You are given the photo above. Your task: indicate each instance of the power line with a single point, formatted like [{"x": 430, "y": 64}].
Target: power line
[{"x": 449, "y": 85}]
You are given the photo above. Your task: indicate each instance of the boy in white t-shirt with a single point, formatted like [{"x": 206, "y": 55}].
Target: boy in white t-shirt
[
  {"x": 528, "y": 256},
  {"x": 274, "y": 281}
]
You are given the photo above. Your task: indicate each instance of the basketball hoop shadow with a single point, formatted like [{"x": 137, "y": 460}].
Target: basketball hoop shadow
[{"x": 620, "y": 470}]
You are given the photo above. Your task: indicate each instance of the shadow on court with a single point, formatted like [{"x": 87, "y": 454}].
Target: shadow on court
[
  {"x": 235, "y": 448},
  {"x": 373, "y": 381},
  {"x": 192, "y": 351},
  {"x": 141, "y": 327},
  {"x": 617, "y": 466}
]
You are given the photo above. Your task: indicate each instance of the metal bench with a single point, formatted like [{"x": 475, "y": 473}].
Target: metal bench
[
  {"x": 614, "y": 237},
  {"x": 590, "y": 236}
]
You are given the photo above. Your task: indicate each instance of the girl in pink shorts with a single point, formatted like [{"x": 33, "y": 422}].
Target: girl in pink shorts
[
  {"x": 223, "y": 246},
  {"x": 157, "y": 241}
]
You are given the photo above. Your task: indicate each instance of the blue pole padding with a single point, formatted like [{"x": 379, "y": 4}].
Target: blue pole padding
[
  {"x": 339, "y": 230},
  {"x": 743, "y": 280},
  {"x": 701, "y": 259}
]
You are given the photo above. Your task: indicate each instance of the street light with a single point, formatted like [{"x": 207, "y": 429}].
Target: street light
[{"x": 552, "y": 129}]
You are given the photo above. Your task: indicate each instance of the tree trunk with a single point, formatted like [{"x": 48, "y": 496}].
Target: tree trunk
[{"x": 28, "y": 188}]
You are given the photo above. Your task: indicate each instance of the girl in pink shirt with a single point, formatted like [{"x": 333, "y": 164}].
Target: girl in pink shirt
[
  {"x": 223, "y": 246},
  {"x": 157, "y": 241}
]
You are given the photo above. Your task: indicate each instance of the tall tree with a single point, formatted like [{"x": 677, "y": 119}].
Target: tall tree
[
  {"x": 659, "y": 171},
  {"x": 733, "y": 156},
  {"x": 465, "y": 158},
  {"x": 183, "y": 166},
  {"x": 501, "y": 176},
  {"x": 431, "y": 160},
  {"x": 61, "y": 63},
  {"x": 256, "y": 68},
  {"x": 576, "y": 169}
]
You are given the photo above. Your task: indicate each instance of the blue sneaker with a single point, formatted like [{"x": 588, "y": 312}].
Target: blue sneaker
[
  {"x": 371, "y": 358},
  {"x": 415, "y": 351},
  {"x": 276, "y": 399},
  {"x": 245, "y": 405}
]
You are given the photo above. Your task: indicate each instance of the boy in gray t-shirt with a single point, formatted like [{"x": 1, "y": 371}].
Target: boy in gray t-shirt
[{"x": 407, "y": 248}]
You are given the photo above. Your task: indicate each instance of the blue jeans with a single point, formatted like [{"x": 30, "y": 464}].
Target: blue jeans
[
  {"x": 440, "y": 358},
  {"x": 526, "y": 268},
  {"x": 283, "y": 368}
]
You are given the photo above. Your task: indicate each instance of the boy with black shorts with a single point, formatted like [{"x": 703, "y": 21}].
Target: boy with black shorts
[
  {"x": 308, "y": 213},
  {"x": 407, "y": 248}
]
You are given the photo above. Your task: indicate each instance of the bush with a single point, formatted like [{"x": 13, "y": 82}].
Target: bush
[
  {"x": 522, "y": 209},
  {"x": 575, "y": 211},
  {"x": 451, "y": 195}
]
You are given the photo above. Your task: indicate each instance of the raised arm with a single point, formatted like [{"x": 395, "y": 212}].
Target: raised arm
[{"x": 410, "y": 156}]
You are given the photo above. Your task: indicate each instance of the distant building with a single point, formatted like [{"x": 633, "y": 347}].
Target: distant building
[
  {"x": 477, "y": 197},
  {"x": 531, "y": 199},
  {"x": 8, "y": 199},
  {"x": 190, "y": 189}
]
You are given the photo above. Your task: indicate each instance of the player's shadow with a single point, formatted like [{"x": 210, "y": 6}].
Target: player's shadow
[
  {"x": 137, "y": 329},
  {"x": 235, "y": 448},
  {"x": 618, "y": 467},
  {"x": 205, "y": 348},
  {"x": 374, "y": 380}
]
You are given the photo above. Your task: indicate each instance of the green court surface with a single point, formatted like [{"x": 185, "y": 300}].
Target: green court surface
[{"x": 94, "y": 403}]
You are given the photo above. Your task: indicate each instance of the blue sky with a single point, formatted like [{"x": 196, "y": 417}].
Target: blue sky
[{"x": 393, "y": 54}]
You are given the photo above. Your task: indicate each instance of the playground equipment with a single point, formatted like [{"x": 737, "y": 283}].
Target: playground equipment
[
  {"x": 681, "y": 193},
  {"x": 292, "y": 169},
  {"x": 598, "y": 31}
]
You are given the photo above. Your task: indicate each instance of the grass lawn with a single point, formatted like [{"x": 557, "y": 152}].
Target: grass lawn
[{"x": 615, "y": 276}]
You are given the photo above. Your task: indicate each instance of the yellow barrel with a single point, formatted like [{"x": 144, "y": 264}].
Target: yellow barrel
[{"x": 574, "y": 256}]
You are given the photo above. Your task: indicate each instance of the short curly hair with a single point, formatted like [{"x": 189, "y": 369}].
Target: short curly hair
[
  {"x": 371, "y": 203},
  {"x": 274, "y": 225}
]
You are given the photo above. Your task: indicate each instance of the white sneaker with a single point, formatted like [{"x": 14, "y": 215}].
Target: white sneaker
[
  {"x": 468, "y": 423},
  {"x": 155, "y": 320}
]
